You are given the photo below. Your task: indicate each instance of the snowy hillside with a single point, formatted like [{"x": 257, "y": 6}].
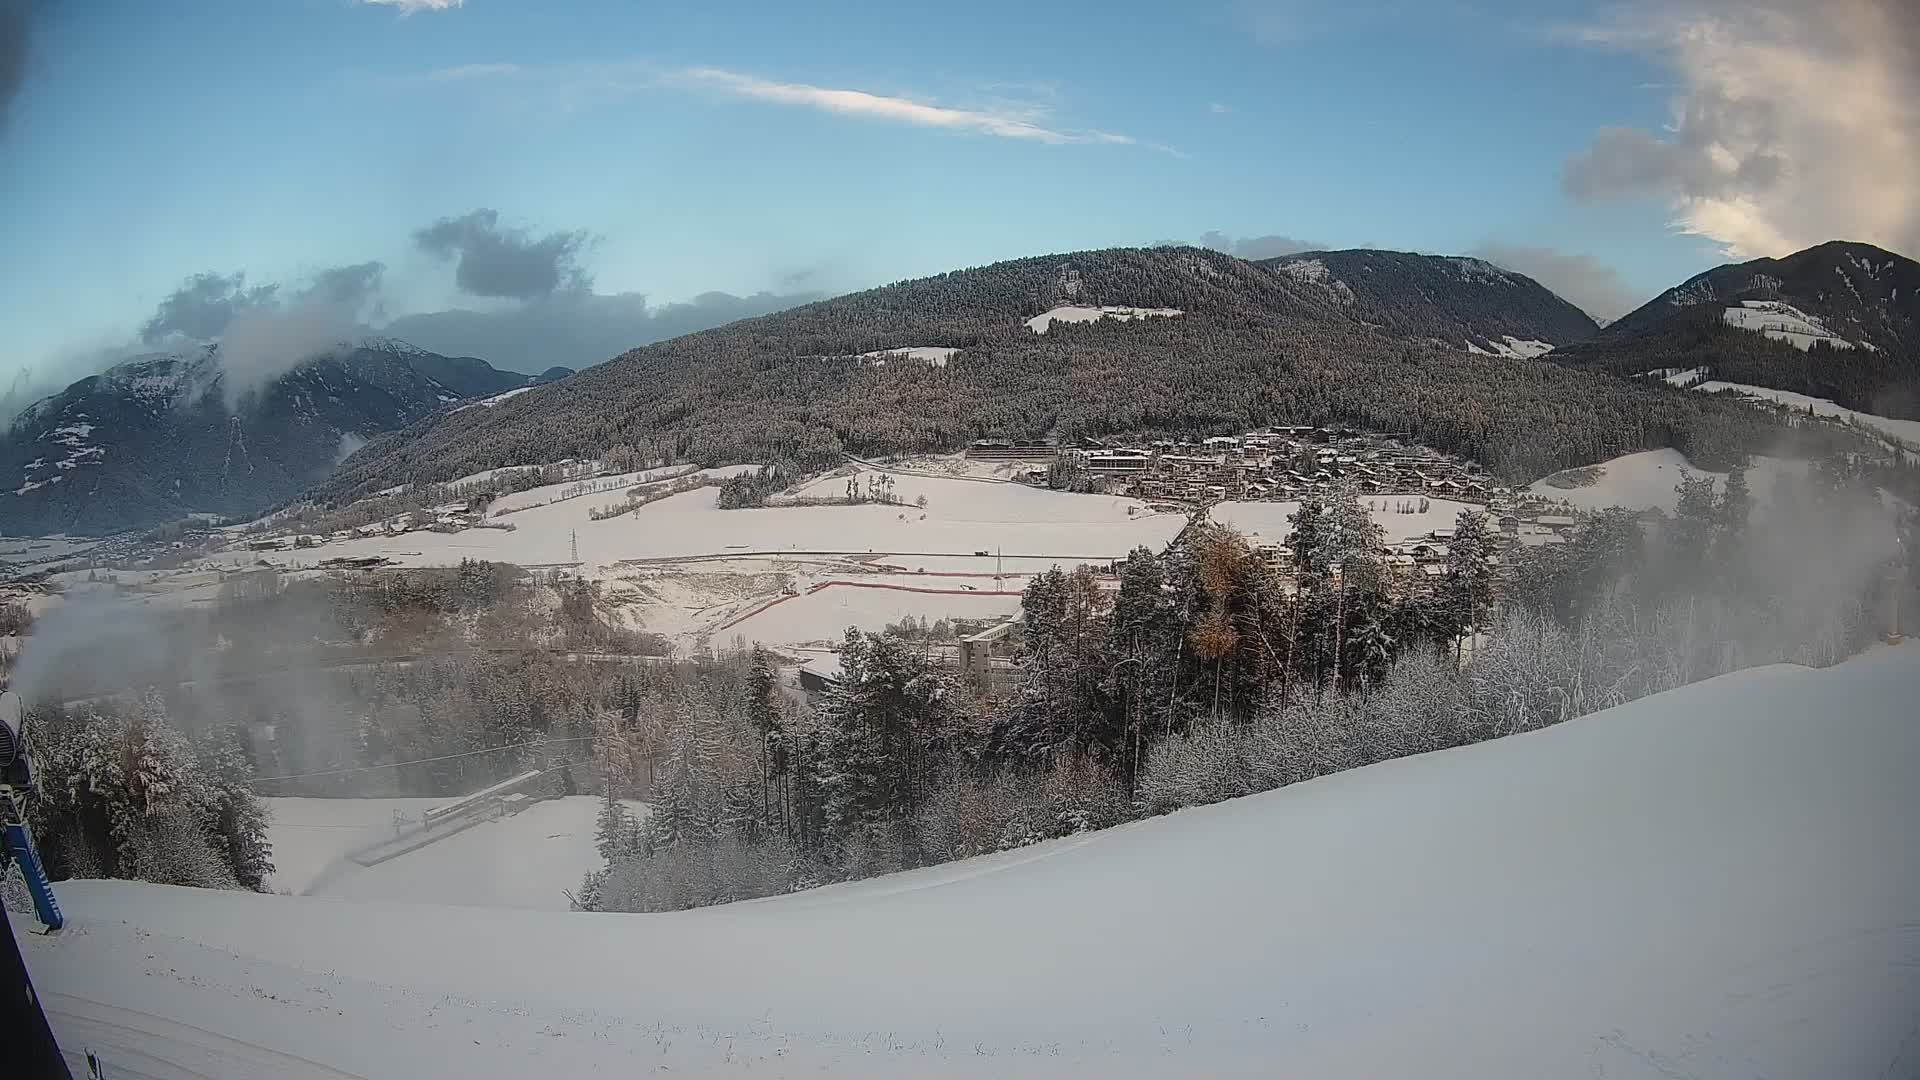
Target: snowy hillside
[
  {"x": 1512, "y": 348},
  {"x": 1906, "y": 431},
  {"x": 1646, "y": 480},
  {"x": 1784, "y": 322},
  {"x": 1076, "y": 314},
  {"x": 312, "y": 839},
  {"x": 1715, "y": 882}
]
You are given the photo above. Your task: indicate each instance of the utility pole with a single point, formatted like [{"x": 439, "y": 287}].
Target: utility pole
[
  {"x": 998, "y": 576},
  {"x": 576, "y": 545}
]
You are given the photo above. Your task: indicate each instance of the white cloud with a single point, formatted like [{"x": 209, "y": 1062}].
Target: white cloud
[
  {"x": 1217, "y": 108},
  {"x": 1797, "y": 122},
  {"x": 463, "y": 72},
  {"x": 1000, "y": 122},
  {"x": 408, "y": 7},
  {"x": 568, "y": 87}
]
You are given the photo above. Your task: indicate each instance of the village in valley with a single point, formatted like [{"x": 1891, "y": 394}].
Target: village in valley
[{"x": 940, "y": 547}]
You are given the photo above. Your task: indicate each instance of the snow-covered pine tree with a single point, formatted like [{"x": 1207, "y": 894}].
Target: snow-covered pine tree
[
  {"x": 239, "y": 818},
  {"x": 1466, "y": 593}
]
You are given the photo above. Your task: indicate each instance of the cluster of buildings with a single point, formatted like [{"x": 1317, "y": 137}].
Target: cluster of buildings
[
  {"x": 447, "y": 518},
  {"x": 1275, "y": 463}
]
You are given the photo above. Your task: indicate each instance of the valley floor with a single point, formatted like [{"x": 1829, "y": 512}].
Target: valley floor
[{"x": 1719, "y": 881}]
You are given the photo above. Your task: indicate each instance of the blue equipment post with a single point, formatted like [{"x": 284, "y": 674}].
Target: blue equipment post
[{"x": 20, "y": 847}]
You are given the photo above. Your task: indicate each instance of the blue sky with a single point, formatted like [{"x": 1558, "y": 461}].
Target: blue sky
[{"x": 674, "y": 150}]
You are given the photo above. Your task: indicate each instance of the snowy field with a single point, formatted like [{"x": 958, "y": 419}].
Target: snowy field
[
  {"x": 310, "y": 836},
  {"x": 1717, "y": 882},
  {"x": 1073, "y": 313},
  {"x": 961, "y": 517},
  {"x": 1267, "y": 521},
  {"x": 1783, "y": 322},
  {"x": 1513, "y": 348},
  {"x": 930, "y": 355},
  {"x": 825, "y": 615},
  {"x": 523, "y": 861},
  {"x": 1646, "y": 481},
  {"x": 1907, "y": 431}
]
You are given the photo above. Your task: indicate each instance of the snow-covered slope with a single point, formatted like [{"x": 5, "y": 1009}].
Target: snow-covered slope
[
  {"x": 1906, "y": 431},
  {"x": 930, "y": 355},
  {"x": 552, "y": 842},
  {"x": 1784, "y": 322},
  {"x": 1514, "y": 348},
  {"x": 1646, "y": 480},
  {"x": 1715, "y": 882},
  {"x": 1071, "y": 313}
]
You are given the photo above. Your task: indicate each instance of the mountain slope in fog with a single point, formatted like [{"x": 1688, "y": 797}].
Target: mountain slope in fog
[{"x": 156, "y": 438}]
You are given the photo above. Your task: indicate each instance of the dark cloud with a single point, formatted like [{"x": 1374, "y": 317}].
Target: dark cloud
[
  {"x": 576, "y": 329},
  {"x": 1582, "y": 280},
  {"x": 1257, "y": 247},
  {"x": 805, "y": 278},
  {"x": 503, "y": 261},
  {"x": 346, "y": 286},
  {"x": 203, "y": 306},
  {"x": 16, "y": 30},
  {"x": 264, "y": 331}
]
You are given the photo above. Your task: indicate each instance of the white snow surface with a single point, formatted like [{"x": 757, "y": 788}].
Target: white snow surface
[
  {"x": 1783, "y": 322},
  {"x": 962, "y": 516},
  {"x": 1715, "y": 882},
  {"x": 826, "y": 615},
  {"x": 1907, "y": 431},
  {"x": 1522, "y": 348},
  {"x": 1512, "y": 348},
  {"x": 1646, "y": 481},
  {"x": 1073, "y": 313},
  {"x": 551, "y": 844},
  {"x": 1267, "y": 521},
  {"x": 490, "y": 402},
  {"x": 930, "y": 355}
]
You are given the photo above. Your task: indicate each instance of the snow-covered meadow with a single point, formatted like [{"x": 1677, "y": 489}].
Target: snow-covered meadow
[
  {"x": 1784, "y": 322},
  {"x": 1647, "y": 480},
  {"x": 1719, "y": 881},
  {"x": 1075, "y": 313},
  {"x": 1399, "y": 516},
  {"x": 1906, "y": 431},
  {"x": 522, "y": 861}
]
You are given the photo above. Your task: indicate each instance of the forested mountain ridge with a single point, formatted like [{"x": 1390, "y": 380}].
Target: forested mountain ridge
[
  {"x": 1840, "y": 320},
  {"x": 1253, "y": 346},
  {"x": 1861, "y": 293},
  {"x": 160, "y": 436},
  {"x": 1457, "y": 301}
]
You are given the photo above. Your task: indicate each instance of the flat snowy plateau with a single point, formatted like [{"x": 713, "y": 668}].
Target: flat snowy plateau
[{"x": 1721, "y": 881}]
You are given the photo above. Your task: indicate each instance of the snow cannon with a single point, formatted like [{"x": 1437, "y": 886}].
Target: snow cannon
[{"x": 16, "y": 768}]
